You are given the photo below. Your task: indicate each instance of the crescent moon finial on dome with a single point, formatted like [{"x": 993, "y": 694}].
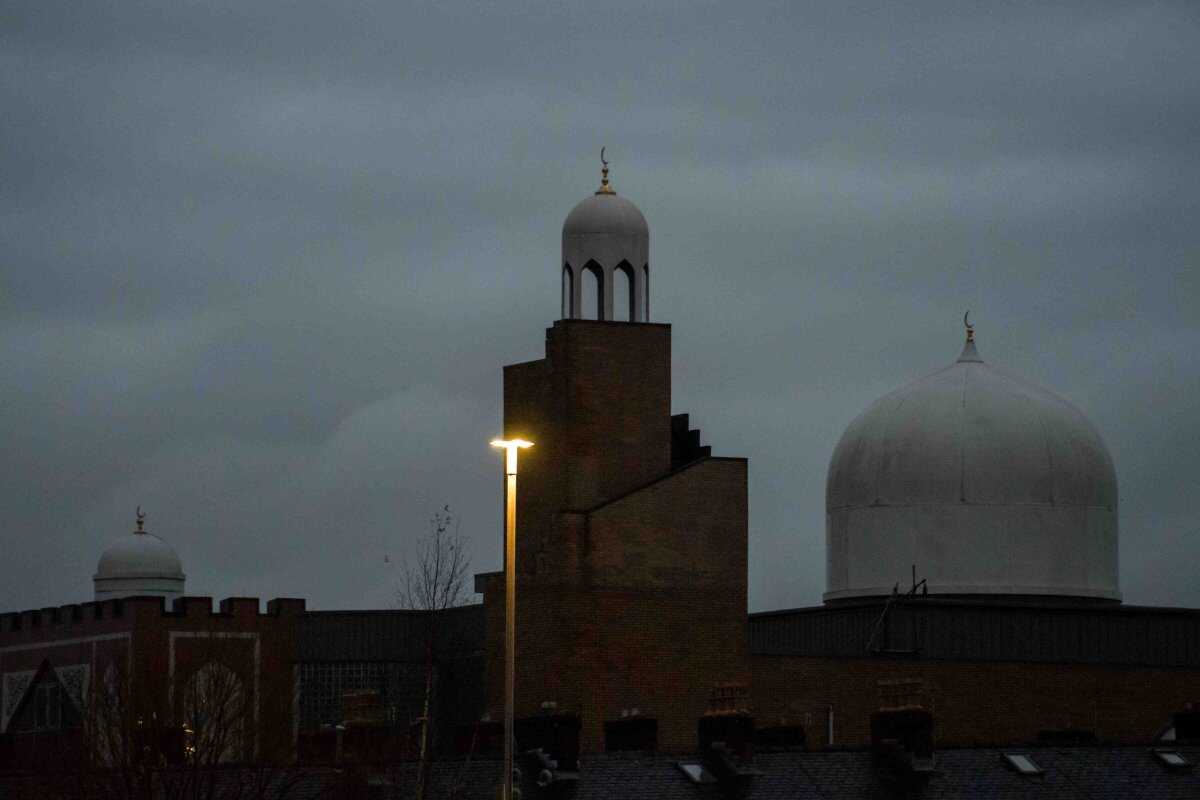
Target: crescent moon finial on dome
[
  {"x": 604, "y": 186},
  {"x": 969, "y": 353},
  {"x": 141, "y": 519}
]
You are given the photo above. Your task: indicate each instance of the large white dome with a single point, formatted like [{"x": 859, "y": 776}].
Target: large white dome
[
  {"x": 139, "y": 564},
  {"x": 988, "y": 484}
]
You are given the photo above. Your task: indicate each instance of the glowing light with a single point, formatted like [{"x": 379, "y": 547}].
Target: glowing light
[{"x": 511, "y": 446}]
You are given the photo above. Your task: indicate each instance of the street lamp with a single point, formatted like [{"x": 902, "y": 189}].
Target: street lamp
[{"x": 511, "y": 446}]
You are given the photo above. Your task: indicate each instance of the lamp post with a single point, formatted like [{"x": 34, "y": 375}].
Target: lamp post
[{"x": 510, "y": 446}]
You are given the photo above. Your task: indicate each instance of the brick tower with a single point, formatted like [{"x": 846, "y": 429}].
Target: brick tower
[{"x": 631, "y": 551}]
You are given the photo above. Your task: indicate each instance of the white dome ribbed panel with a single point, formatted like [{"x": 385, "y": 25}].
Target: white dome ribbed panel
[
  {"x": 988, "y": 484},
  {"x": 139, "y": 564}
]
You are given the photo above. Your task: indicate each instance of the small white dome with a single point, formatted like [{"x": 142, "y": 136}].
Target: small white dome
[
  {"x": 605, "y": 234},
  {"x": 139, "y": 563},
  {"x": 988, "y": 484},
  {"x": 608, "y": 230},
  {"x": 605, "y": 213}
]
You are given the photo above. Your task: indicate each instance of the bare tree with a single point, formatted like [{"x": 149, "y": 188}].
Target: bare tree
[{"x": 433, "y": 580}]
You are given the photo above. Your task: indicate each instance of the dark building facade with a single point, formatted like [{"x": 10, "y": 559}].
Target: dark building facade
[
  {"x": 991, "y": 672},
  {"x": 380, "y": 659}
]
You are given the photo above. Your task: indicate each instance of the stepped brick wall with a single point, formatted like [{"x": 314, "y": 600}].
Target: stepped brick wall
[{"x": 632, "y": 574}]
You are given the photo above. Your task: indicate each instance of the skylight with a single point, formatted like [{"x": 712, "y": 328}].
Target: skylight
[
  {"x": 696, "y": 773},
  {"x": 1022, "y": 764},
  {"x": 1172, "y": 759}
]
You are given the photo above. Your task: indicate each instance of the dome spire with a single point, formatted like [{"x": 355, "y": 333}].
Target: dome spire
[
  {"x": 141, "y": 520},
  {"x": 969, "y": 353},
  {"x": 604, "y": 187}
]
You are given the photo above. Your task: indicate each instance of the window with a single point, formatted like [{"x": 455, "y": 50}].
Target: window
[
  {"x": 1022, "y": 764},
  {"x": 216, "y": 712},
  {"x": 48, "y": 707}
]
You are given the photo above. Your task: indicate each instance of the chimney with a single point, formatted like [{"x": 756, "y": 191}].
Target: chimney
[
  {"x": 1187, "y": 723},
  {"x": 902, "y": 733},
  {"x": 725, "y": 735},
  {"x": 549, "y": 744}
]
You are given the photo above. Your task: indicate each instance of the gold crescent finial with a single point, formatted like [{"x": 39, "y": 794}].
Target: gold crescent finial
[
  {"x": 967, "y": 324},
  {"x": 141, "y": 519},
  {"x": 604, "y": 187}
]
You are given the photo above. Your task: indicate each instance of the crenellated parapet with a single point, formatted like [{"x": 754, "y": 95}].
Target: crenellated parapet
[{"x": 75, "y": 619}]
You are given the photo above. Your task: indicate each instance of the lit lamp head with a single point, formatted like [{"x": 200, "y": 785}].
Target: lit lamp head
[{"x": 511, "y": 446}]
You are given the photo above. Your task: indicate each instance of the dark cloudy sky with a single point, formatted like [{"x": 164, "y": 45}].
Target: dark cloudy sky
[{"x": 261, "y": 262}]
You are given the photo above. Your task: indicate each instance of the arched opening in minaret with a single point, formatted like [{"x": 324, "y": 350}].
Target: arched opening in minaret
[
  {"x": 591, "y": 303},
  {"x": 568, "y": 284},
  {"x": 646, "y": 292},
  {"x": 624, "y": 297}
]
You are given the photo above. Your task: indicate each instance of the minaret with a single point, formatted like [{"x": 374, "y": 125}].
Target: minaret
[
  {"x": 605, "y": 234},
  {"x": 631, "y": 552}
]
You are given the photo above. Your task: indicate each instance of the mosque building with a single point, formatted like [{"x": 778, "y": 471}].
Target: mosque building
[{"x": 972, "y": 611}]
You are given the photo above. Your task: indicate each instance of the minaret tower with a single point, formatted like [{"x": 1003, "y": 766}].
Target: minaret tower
[
  {"x": 631, "y": 544},
  {"x": 602, "y": 236}
]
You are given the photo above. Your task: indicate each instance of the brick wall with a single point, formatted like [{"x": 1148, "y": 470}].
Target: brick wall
[
  {"x": 598, "y": 411},
  {"x": 632, "y": 578},
  {"x": 163, "y": 648},
  {"x": 974, "y": 703}
]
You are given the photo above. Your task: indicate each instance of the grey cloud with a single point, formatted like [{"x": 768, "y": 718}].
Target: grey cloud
[{"x": 260, "y": 264}]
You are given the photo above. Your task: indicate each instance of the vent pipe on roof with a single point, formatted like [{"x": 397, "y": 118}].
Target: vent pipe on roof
[{"x": 726, "y": 742}]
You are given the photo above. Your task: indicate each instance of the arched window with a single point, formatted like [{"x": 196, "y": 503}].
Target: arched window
[
  {"x": 217, "y": 712},
  {"x": 592, "y": 299},
  {"x": 646, "y": 292},
  {"x": 624, "y": 297},
  {"x": 568, "y": 284}
]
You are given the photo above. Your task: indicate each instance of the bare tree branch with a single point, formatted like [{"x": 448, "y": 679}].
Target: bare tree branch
[{"x": 432, "y": 582}]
